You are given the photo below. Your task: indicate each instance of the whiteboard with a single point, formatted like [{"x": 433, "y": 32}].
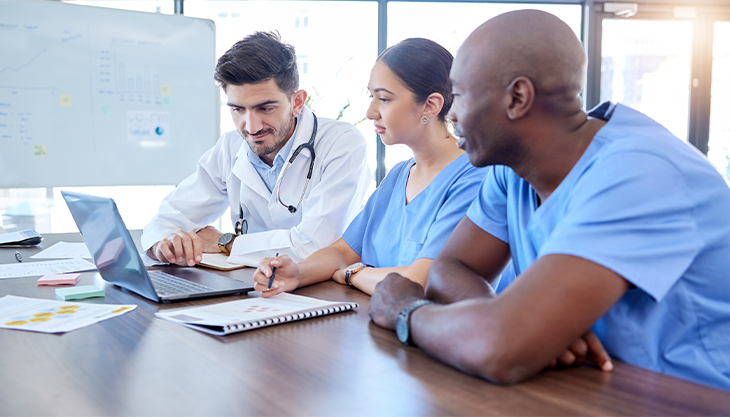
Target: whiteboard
[{"x": 92, "y": 96}]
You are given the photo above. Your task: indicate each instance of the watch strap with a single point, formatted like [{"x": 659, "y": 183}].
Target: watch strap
[
  {"x": 222, "y": 246},
  {"x": 405, "y": 317},
  {"x": 349, "y": 272}
]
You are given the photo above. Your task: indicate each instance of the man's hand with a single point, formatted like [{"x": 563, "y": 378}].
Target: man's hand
[
  {"x": 588, "y": 346},
  {"x": 181, "y": 248},
  {"x": 209, "y": 236},
  {"x": 392, "y": 294}
]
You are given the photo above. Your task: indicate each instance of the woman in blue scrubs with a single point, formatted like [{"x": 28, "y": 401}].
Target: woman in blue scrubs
[{"x": 409, "y": 217}]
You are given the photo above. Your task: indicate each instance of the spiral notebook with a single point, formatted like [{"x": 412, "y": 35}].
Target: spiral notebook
[{"x": 252, "y": 313}]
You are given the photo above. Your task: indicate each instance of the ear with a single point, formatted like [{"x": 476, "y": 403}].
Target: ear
[
  {"x": 297, "y": 101},
  {"x": 433, "y": 105},
  {"x": 521, "y": 95}
]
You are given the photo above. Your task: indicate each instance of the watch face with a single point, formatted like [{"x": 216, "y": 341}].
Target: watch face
[
  {"x": 355, "y": 265},
  {"x": 401, "y": 328},
  {"x": 225, "y": 239}
]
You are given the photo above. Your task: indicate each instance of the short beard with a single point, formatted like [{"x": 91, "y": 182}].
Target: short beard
[{"x": 281, "y": 137}]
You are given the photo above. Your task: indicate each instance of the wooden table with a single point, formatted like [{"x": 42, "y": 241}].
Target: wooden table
[{"x": 342, "y": 364}]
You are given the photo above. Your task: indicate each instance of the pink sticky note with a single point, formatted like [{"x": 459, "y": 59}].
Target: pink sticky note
[{"x": 65, "y": 279}]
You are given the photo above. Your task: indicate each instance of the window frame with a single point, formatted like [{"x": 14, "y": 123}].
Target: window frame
[{"x": 698, "y": 131}]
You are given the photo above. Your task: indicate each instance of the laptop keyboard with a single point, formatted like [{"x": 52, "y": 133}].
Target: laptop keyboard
[{"x": 166, "y": 284}]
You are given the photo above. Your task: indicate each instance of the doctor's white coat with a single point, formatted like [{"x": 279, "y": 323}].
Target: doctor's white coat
[{"x": 225, "y": 178}]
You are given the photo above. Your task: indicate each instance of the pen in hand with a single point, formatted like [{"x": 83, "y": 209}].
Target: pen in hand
[
  {"x": 18, "y": 257},
  {"x": 273, "y": 274}
]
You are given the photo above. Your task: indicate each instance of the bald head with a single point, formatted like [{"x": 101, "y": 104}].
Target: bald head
[
  {"x": 528, "y": 43},
  {"x": 517, "y": 81}
]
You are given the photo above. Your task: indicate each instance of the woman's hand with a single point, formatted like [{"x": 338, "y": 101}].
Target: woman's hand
[{"x": 287, "y": 278}]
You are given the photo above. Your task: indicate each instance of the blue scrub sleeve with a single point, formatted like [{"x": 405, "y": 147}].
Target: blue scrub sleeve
[
  {"x": 631, "y": 213},
  {"x": 458, "y": 200},
  {"x": 489, "y": 209},
  {"x": 355, "y": 233}
]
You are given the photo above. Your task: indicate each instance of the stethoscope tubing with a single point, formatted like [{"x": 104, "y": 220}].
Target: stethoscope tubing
[{"x": 242, "y": 225}]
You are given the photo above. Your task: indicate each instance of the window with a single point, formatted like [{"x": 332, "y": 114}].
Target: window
[
  {"x": 449, "y": 24},
  {"x": 646, "y": 65},
  {"x": 719, "y": 141},
  {"x": 336, "y": 44}
]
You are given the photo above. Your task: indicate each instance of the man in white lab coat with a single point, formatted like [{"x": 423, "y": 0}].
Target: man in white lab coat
[{"x": 275, "y": 207}]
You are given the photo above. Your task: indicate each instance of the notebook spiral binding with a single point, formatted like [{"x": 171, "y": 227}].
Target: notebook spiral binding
[{"x": 293, "y": 317}]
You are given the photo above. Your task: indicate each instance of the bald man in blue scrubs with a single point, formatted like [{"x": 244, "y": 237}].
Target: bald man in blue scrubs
[{"x": 615, "y": 227}]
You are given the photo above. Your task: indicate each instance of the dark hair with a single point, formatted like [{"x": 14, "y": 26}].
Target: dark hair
[
  {"x": 423, "y": 66},
  {"x": 258, "y": 57}
]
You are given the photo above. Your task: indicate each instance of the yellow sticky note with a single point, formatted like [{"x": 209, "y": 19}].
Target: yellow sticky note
[
  {"x": 65, "y": 100},
  {"x": 165, "y": 89},
  {"x": 40, "y": 150}
]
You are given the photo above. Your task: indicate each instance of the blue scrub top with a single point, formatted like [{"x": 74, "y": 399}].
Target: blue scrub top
[
  {"x": 650, "y": 208},
  {"x": 389, "y": 233}
]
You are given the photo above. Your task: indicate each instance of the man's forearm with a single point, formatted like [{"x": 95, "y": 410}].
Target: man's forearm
[{"x": 449, "y": 280}]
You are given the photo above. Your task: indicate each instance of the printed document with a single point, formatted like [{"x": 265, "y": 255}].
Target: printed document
[
  {"x": 64, "y": 250},
  {"x": 31, "y": 269},
  {"x": 51, "y": 316}
]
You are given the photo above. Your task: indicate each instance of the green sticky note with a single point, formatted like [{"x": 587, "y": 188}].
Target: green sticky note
[
  {"x": 105, "y": 109},
  {"x": 167, "y": 101},
  {"x": 78, "y": 293}
]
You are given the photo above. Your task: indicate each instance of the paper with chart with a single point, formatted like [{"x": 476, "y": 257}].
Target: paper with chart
[
  {"x": 64, "y": 250},
  {"x": 50, "y": 316},
  {"x": 32, "y": 269}
]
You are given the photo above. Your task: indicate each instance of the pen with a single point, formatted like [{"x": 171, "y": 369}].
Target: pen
[
  {"x": 273, "y": 274},
  {"x": 18, "y": 257}
]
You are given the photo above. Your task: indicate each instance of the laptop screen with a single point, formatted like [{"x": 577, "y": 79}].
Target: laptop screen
[{"x": 109, "y": 242}]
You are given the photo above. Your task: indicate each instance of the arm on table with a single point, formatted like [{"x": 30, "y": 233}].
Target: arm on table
[
  {"x": 461, "y": 270},
  {"x": 368, "y": 278},
  {"x": 327, "y": 263},
  {"x": 199, "y": 200},
  {"x": 509, "y": 338},
  {"x": 290, "y": 275}
]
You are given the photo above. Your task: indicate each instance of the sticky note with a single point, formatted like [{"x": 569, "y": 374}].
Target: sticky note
[
  {"x": 78, "y": 293},
  {"x": 40, "y": 150},
  {"x": 61, "y": 279},
  {"x": 167, "y": 101},
  {"x": 165, "y": 89},
  {"x": 65, "y": 100}
]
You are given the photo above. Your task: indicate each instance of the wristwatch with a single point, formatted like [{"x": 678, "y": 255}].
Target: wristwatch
[
  {"x": 352, "y": 269},
  {"x": 224, "y": 240},
  {"x": 402, "y": 323}
]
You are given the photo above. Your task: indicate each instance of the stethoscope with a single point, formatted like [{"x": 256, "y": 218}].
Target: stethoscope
[{"x": 242, "y": 224}]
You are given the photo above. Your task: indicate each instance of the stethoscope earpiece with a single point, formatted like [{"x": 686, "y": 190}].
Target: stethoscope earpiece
[{"x": 292, "y": 209}]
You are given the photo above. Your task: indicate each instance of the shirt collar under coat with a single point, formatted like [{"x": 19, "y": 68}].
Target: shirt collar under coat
[{"x": 243, "y": 169}]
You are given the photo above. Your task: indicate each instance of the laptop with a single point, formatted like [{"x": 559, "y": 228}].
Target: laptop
[{"x": 118, "y": 262}]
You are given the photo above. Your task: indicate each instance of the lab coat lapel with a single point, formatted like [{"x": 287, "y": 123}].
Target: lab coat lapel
[{"x": 247, "y": 174}]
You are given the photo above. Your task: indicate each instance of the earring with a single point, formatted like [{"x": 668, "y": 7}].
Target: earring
[{"x": 424, "y": 120}]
